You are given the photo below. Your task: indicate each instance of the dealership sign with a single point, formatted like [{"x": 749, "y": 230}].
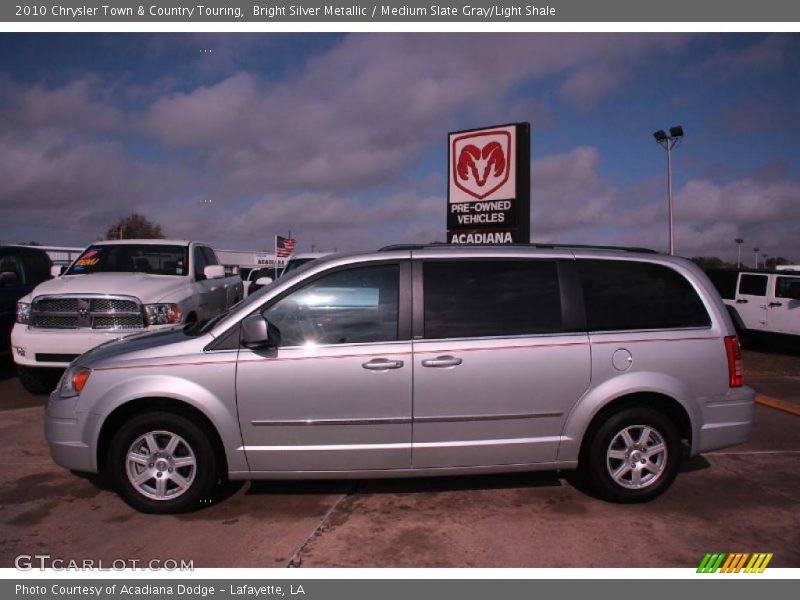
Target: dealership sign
[{"x": 488, "y": 192}]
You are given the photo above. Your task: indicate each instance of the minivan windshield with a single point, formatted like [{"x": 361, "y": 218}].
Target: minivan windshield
[
  {"x": 155, "y": 259},
  {"x": 201, "y": 327}
]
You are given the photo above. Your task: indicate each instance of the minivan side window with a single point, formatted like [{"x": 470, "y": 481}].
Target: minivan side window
[
  {"x": 626, "y": 295},
  {"x": 476, "y": 298},
  {"x": 753, "y": 285},
  {"x": 358, "y": 305}
]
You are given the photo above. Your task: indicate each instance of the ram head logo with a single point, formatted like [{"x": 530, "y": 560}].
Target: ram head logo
[{"x": 481, "y": 162}]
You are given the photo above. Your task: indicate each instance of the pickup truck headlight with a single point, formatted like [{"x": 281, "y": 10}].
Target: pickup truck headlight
[
  {"x": 73, "y": 381},
  {"x": 162, "y": 314},
  {"x": 23, "y": 312}
]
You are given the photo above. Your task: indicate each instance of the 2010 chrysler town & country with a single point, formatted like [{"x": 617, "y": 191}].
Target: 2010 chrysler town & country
[{"x": 418, "y": 360}]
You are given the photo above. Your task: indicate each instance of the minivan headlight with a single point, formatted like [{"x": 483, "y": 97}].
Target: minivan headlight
[
  {"x": 23, "y": 312},
  {"x": 162, "y": 314},
  {"x": 73, "y": 381}
]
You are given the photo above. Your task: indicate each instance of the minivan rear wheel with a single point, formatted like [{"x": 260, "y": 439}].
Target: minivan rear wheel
[
  {"x": 161, "y": 462},
  {"x": 633, "y": 456}
]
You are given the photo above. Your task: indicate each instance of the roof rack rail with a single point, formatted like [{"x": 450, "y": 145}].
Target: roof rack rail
[{"x": 516, "y": 245}]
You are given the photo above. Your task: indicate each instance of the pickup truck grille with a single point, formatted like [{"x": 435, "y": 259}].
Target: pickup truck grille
[{"x": 86, "y": 312}]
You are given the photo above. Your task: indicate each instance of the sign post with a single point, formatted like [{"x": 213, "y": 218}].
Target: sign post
[{"x": 488, "y": 190}]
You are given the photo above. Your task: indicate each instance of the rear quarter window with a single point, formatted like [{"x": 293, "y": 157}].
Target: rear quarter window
[{"x": 625, "y": 295}]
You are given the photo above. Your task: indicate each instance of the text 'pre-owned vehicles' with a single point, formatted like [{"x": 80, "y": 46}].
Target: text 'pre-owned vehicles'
[
  {"x": 113, "y": 289},
  {"x": 761, "y": 301},
  {"x": 419, "y": 360}
]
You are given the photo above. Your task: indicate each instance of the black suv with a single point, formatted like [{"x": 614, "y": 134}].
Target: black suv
[{"x": 22, "y": 268}]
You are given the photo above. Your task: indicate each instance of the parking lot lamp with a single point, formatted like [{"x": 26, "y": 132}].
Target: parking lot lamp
[
  {"x": 756, "y": 252},
  {"x": 739, "y": 242},
  {"x": 668, "y": 142}
]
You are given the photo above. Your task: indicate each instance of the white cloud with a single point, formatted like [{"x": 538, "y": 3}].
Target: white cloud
[
  {"x": 572, "y": 202},
  {"x": 79, "y": 106},
  {"x": 333, "y": 149},
  {"x": 360, "y": 113}
]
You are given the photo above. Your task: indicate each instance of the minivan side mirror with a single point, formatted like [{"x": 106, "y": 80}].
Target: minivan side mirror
[
  {"x": 263, "y": 280},
  {"x": 257, "y": 332}
]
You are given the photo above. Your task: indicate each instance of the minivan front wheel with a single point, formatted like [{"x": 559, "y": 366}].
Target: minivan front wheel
[
  {"x": 163, "y": 462},
  {"x": 633, "y": 456}
]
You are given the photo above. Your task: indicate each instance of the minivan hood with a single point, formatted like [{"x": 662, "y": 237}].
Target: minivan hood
[
  {"x": 140, "y": 285},
  {"x": 166, "y": 342}
]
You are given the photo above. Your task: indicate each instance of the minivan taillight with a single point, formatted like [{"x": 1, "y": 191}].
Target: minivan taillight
[{"x": 734, "y": 353}]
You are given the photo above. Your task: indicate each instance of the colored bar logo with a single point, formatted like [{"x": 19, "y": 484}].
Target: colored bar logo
[{"x": 719, "y": 562}]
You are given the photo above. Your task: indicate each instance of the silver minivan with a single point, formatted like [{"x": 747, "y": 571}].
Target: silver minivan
[{"x": 416, "y": 361}]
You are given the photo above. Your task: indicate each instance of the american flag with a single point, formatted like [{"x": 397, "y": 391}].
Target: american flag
[{"x": 284, "y": 246}]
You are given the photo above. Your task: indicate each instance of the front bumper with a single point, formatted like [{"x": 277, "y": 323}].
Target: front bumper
[
  {"x": 71, "y": 435},
  {"x": 57, "y": 347},
  {"x": 727, "y": 421}
]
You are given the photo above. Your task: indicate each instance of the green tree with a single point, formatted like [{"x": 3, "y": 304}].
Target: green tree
[
  {"x": 774, "y": 261},
  {"x": 710, "y": 262},
  {"x": 134, "y": 226}
]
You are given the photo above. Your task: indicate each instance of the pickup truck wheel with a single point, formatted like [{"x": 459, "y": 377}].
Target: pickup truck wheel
[
  {"x": 38, "y": 380},
  {"x": 633, "y": 456},
  {"x": 162, "y": 462}
]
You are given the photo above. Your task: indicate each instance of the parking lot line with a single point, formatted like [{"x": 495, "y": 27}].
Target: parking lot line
[
  {"x": 784, "y": 405},
  {"x": 751, "y": 452}
]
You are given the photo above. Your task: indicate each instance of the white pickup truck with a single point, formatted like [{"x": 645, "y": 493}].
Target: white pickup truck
[{"x": 113, "y": 289}]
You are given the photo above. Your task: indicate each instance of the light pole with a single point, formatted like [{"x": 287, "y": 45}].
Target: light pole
[
  {"x": 739, "y": 242},
  {"x": 756, "y": 252},
  {"x": 668, "y": 142}
]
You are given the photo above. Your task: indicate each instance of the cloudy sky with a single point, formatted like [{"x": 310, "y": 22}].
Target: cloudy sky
[{"x": 341, "y": 139}]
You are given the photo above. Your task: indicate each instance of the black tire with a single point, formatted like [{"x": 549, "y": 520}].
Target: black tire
[
  {"x": 597, "y": 462},
  {"x": 39, "y": 380},
  {"x": 202, "y": 477}
]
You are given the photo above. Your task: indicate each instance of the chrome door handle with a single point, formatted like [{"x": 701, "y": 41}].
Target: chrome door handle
[
  {"x": 442, "y": 361},
  {"x": 381, "y": 364},
  {"x": 741, "y": 301},
  {"x": 775, "y": 304}
]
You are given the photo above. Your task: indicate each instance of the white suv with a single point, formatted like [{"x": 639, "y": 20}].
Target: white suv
[{"x": 761, "y": 300}]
